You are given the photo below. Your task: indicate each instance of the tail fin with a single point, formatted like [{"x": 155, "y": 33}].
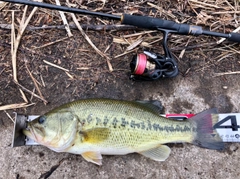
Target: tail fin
[{"x": 206, "y": 136}]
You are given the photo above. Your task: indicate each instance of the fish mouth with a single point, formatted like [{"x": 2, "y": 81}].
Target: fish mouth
[{"x": 29, "y": 132}]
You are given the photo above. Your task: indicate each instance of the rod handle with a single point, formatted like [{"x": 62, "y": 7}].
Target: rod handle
[
  {"x": 147, "y": 22},
  {"x": 234, "y": 37},
  {"x": 151, "y": 23}
]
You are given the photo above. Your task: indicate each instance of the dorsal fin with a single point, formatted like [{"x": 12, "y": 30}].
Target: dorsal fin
[{"x": 153, "y": 105}]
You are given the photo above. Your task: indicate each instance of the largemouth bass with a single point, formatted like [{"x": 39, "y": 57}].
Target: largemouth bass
[{"x": 96, "y": 127}]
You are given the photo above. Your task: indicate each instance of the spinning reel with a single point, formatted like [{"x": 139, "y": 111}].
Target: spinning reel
[{"x": 150, "y": 66}]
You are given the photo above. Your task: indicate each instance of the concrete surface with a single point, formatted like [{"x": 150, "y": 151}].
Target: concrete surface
[{"x": 191, "y": 94}]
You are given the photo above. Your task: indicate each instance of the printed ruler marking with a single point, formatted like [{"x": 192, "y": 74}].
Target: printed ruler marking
[{"x": 228, "y": 127}]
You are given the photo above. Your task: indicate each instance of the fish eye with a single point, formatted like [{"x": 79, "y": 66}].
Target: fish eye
[{"x": 41, "y": 119}]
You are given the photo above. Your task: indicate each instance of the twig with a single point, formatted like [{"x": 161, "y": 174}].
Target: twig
[
  {"x": 138, "y": 34},
  {"x": 28, "y": 91},
  {"x": 69, "y": 75},
  {"x": 124, "y": 53},
  {"x": 234, "y": 50},
  {"x": 162, "y": 10},
  {"x": 192, "y": 8},
  {"x": 90, "y": 42},
  {"x": 83, "y": 68},
  {"x": 15, "y": 106},
  {"x": 35, "y": 83},
  {"x": 134, "y": 44},
  {"x": 108, "y": 47},
  {"x": 14, "y": 47},
  {"x": 155, "y": 41},
  {"x": 124, "y": 42},
  {"x": 226, "y": 12},
  {"x": 224, "y": 56},
  {"x": 32, "y": 95},
  {"x": 14, "y": 59},
  {"x": 23, "y": 96},
  {"x": 205, "y": 4},
  {"x": 229, "y": 5},
  {"x": 2, "y": 5},
  {"x": 54, "y": 65},
  {"x": 51, "y": 43},
  {"x": 227, "y": 73},
  {"x": 65, "y": 23},
  {"x": 117, "y": 27},
  {"x": 9, "y": 116},
  {"x": 43, "y": 83},
  {"x": 183, "y": 51}
]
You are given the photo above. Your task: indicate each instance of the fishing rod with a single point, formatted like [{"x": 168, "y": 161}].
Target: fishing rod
[{"x": 147, "y": 65}]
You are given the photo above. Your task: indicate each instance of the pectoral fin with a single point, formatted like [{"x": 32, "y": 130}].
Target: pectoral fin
[
  {"x": 94, "y": 157},
  {"x": 160, "y": 153},
  {"x": 95, "y": 135}
]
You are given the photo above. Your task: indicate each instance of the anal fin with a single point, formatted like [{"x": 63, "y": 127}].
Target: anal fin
[
  {"x": 159, "y": 153},
  {"x": 94, "y": 157}
]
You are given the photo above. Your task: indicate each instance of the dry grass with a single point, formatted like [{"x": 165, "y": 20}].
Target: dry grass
[
  {"x": 220, "y": 15},
  {"x": 14, "y": 106}
]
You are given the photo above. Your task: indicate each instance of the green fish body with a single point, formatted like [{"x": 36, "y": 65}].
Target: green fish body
[{"x": 96, "y": 127}]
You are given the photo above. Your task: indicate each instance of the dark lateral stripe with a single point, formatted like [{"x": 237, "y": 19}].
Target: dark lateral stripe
[
  {"x": 142, "y": 125},
  {"x": 178, "y": 128}
]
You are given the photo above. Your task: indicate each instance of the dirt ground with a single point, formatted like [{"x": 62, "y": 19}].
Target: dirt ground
[{"x": 195, "y": 88}]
